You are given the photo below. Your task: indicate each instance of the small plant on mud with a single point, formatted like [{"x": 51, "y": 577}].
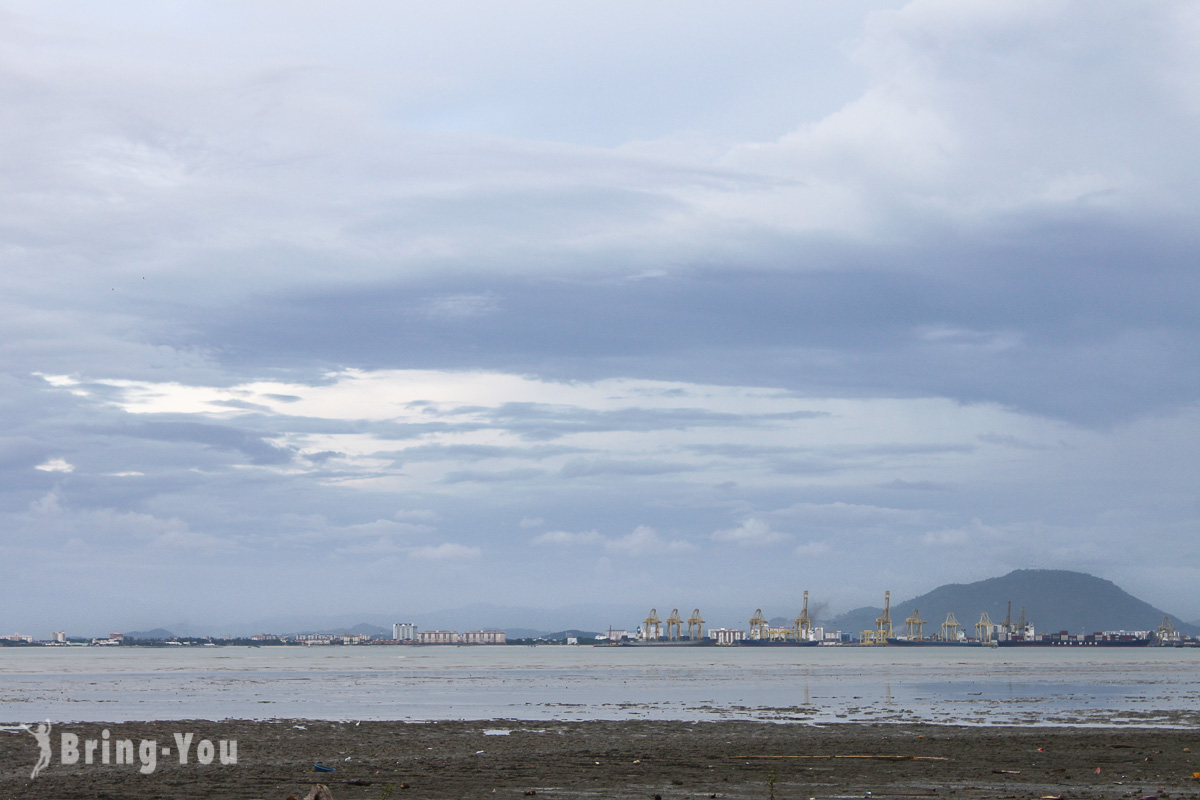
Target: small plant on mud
[
  {"x": 772, "y": 777},
  {"x": 386, "y": 790}
]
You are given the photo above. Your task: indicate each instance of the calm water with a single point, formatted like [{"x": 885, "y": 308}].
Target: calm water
[{"x": 1145, "y": 686}]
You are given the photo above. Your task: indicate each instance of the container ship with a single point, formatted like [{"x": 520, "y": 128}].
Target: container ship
[
  {"x": 1064, "y": 639},
  {"x": 667, "y": 643},
  {"x": 902, "y": 642}
]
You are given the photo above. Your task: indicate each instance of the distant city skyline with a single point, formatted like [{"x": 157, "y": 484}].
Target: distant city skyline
[{"x": 312, "y": 310}]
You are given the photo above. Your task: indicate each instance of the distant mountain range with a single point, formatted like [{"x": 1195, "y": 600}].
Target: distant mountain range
[{"x": 1054, "y": 600}]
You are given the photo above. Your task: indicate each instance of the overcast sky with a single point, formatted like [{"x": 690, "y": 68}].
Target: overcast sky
[{"x": 391, "y": 307}]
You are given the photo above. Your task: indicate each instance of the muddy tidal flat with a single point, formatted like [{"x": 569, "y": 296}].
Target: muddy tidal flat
[{"x": 643, "y": 759}]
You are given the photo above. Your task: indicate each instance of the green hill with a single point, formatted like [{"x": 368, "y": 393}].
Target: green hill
[{"x": 1054, "y": 600}]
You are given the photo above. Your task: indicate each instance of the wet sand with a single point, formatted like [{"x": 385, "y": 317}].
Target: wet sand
[{"x": 634, "y": 759}]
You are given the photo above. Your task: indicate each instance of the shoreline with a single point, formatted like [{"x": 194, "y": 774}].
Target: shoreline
[{"x": 643, "y": 759}]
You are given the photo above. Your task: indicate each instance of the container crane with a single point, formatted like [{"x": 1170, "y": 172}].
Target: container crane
[
  {"x": 914, "y": 627},
  {"x": 695, "y": 625},
  {"x": 653, "y": 629},
  {"x": 1166, "y": 631},
  {"x": 883, "y": 623},
  {"x": 804, "y": 623},
  {"x": 950, "y": 628},
  {"x": 674, "y": 625},
  {"x": 759, "y": 627},
  {"x": 983, "y": 628}
]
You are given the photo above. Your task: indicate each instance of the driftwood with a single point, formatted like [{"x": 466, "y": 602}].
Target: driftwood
[{"x": 319, "y": 791}]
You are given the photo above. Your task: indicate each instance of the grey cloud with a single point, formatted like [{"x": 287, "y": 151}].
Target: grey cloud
[
  {"x": 1091, "y": 341},
  {"x": 323, "y": 456},
  {"x": 220, "y": 436},
  {"x": 540, "y": 421},
  {"x": 592, "y": 467},
  {"x": 917, "y": 486},
  {"x": 988, "y": 206},
  {"x": 473, "y": 453},
  {"x": 498, "y": 476}
]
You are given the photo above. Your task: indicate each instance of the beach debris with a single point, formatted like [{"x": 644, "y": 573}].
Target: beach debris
[
  {"x": 530, "y": 792},
  {"x": 319, "y": 791},
  {"x": 1006, "y": 772},
  {"x": 1196, "y": 776},
  {"x": 299, "y": 728},
  {"x": 1097, "y": 770},
  {"x": 323, "y": 768}
]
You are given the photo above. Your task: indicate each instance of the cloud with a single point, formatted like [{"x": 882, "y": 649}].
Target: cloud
[
  {"x": 256, "y": 447},
  {"x": 568, "y": 538},
  {"x": 447, "y": 551},
  {"x": 973, "y": 535},
  {"x": 497, "y": 476},
  {"x": 883, "y": 276},
  {"x": 751, "y": 533},
  {"x": 644, "y": 540},
  {"x": 422, "y": 514},
  {"x": 812, "y": 550},
  {"x": 586, "y": 468}
]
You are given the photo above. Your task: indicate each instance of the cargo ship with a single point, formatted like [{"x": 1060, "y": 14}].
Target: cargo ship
[
  {"x": 777, "y": 643},
  {"x": 667, "y": 643},
  {"x": 1064, "y": 639}
]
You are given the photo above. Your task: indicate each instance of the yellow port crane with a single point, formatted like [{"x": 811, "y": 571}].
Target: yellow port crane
[
  {"x": 983, "y": 628},
  {"x": 695, "y": 625},
  {"x": 1007, "y": 625},
  {"x": 1021, "y": 623},
  {"x": 653, "y": 626},
  {"x": 950, "y": 628},
  {"x": 804, "y": 622},
  {"x": 674, "y": 625},
  {"x": 1166, "y": 631},
  {"x": 914, "y": 627},
  {"x": 883, "y": 623},
  {"x": 759, "y": 627}
]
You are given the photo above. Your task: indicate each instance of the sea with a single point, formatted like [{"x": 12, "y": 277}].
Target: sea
[{"x": 1157, "y": 687}]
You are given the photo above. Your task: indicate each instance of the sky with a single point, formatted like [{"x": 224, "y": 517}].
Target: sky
[{"x": 393, "y": 307}]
